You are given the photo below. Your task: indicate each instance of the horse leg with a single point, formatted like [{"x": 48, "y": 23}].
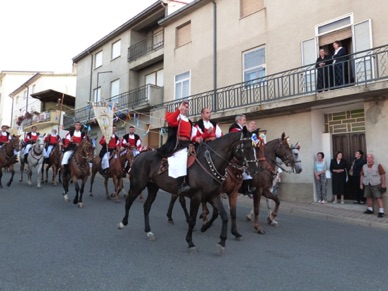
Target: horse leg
[
  {"x": 233, "y": 214},
  {"x": 11, "y": 169},
  {"x": 224, "y": 228},
  {"x": 21, "y": 169},
  {"x": 205, "y": 213},
  {"x": 256, "y": 205},
  {"x": 170, "y": 207},
  {"x": 29, "y": 175},
  {"x": 182, "y": 201},
  {"x": 81, "y": 192},
  {"x": 209, "y": 223},
  {"x": 152, "y": 190},
  {"x": 40, "y": 175},
  {"x": 55, "y": 172},
  {"x": 94, "y": 172},
  {"x": 272, "y": 214},
  {"x": 76, "y": 185},
  {"x": 106, "y": 188},
  {"x": 195, "y": 201},
  {"x": 65, "y": 185},
  {"x": 1, "y": 176},
  {"x": 131, "y": 196}
]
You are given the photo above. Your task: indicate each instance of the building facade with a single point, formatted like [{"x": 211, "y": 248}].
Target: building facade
[{"x": 256, "y": 58}]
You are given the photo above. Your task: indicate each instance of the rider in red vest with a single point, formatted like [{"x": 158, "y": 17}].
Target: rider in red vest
[
  {"x": 114, "y": 143},
  {"x": 72, "y": 139},
  {"x": 132, "y": 140},
  {"x": 51, "y": 140},
  {"x": 206, "y": 128},
  {"x": 29, "y": 139},
  {"x": 5, "y": 136},
  {"x": 180, "y": 134}
]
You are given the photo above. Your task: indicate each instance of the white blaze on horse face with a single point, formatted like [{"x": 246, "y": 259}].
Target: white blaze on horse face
[{"x": 298, "y": 162}]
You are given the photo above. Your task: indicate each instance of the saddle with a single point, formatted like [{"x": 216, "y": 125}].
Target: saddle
[{"x": 191, "y": 156}]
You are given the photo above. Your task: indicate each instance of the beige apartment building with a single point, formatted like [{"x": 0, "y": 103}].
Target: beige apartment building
[{"x": 254, "y": 57}]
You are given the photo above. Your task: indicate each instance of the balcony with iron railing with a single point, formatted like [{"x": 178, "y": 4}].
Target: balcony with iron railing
[
  {"x": 358, "y": 69},
  {"x": 152, "y": 44},
  {"x": 41, "y": 120},
  {"x": 139, "y": 99}
]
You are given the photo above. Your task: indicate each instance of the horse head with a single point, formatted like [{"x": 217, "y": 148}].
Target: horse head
[
  {"x": 38, "y": 145},
  {"x": 295, "y": 152},
  {"x": 284, "y": 152},
  {"x": 86, "y": 150},
  {"x": 15, "y": 142},
  {"x": 245, "y": 152}
]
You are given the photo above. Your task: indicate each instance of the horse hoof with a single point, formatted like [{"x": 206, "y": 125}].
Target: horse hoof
[
  {"x": 121, "y": 225},
  {"x": 170, "y": 222},
  {"x": 1, "y": 186},
  {"x": 239, "y": 238},
  {"x": 80, "y": 205},
  {"x": 8, "y": 184},
  {"x": 192, "y": 250},
  {"x": 260, "y": 231},
  {"x": 91, "y": 195},
  {"x": 248, "y": 217},
  {"x": 273, "y": 223},
  {"x": 39, "y": 186},
  {"x": 151, "y": 236},
  {"x": 220, "y": 249},
  {"x": 20, "y": 180},
  {"x": 66, "y": 198}
]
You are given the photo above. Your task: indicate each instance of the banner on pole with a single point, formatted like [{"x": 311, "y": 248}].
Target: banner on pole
[{"x": 104, "y": 116}]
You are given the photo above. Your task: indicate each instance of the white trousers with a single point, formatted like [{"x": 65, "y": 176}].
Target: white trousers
[
  {"x": 105, "y": 161},
  {"x": 27, "y": 148},
  {"x": 246, "y": 176},
  {"x": 49, "y": 150},
  {"x": 177, "y": 164}
]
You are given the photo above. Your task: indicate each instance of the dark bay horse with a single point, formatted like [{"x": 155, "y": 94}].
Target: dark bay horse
[
  {"x": 78, "y": 169},
  {"x": 7, "y": 157},
  {"x": 54, "y": 162},
  {"x": 204, "y": 177}
]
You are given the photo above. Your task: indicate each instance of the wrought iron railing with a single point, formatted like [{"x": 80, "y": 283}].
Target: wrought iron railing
[
  {"x": 152, "y": 43},
  {"x": 146, "y": 95},
  {"x": 354, "y": 69}
]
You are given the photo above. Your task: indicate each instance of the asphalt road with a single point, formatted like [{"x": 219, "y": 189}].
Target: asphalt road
[{"x": 47, "y": 244}]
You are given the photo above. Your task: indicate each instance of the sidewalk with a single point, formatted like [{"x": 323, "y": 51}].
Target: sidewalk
[{"x": 348, "y": 212}]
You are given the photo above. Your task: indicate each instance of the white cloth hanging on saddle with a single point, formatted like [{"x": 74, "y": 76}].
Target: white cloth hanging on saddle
[
  {"x": 105, "y": 161},
  {"x": 177, "y": 164},
  {"x": 49, "y": 150},
  {"x": 27, "y": 148}
]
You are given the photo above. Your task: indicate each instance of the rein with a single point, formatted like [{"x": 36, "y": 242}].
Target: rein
[
  {"x": 279, "y": 164},
  {"x": 37, "y": 158},
  {"x": 4, "y": 149},
  {"x": 83, "y": 165}
]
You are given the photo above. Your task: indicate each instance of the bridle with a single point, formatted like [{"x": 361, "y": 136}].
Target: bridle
[
  {"x": 213, "y": 171},
  {"x": 37, "y": 155},
  {"x": 286, "y": 161}
]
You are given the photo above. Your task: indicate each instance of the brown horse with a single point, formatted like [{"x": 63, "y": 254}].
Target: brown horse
[
  {"x": 78, "y": 169},
  {"x": 116, "y": 171},
  {"x": 54, "y": 162},
  {"x": 7, "y": 157},
  {"x": 278, "y": 148}
]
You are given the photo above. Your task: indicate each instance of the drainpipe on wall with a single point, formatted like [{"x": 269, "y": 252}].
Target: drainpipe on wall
[
  {"x": 28, "y": 93},
  {"x": 214, "y": 55},
  {"x": 91, "y": 83}
]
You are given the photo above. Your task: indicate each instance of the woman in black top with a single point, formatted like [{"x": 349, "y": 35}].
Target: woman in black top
[
  {"x": 338, "y": 173},
  {"x": 323, "y": 71},
  {"x": 356, "y": 168}
]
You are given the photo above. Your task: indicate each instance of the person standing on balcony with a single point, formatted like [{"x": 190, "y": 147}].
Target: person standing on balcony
[
  {"x": 323, "y": 72},
  {"x": 51, "y": 140},
  {"x": 180, "y": 134},
  {"x": 132, "y": 140},
  {"x": 72, "y": 139},
  {"x": 206, "y": 128},
  {"x": 107, "y": 149},
  {"x": 373, "y": 182},
  {"x": 340, "y": 65},
  {"x": 29, "y": 139}
]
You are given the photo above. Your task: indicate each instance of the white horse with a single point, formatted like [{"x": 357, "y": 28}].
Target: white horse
[{"x": 34, "y": 159}]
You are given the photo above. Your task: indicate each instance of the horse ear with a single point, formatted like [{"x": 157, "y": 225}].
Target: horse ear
[{"x": 283, "y": 135}]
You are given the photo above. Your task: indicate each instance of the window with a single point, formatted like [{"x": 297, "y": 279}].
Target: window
[
  {"x": 115, "y": 90},
  {"x": 116, "y": 49},
  {"x": 98, "y": 60},
  {"x": 182, "y": 85},
  {"x": 97, "y": 94},
  {"x": 155, "y": 78},
  {"x": 250, "y": 6},
  {"x": 33, "y": 88},
  {"x": 24, "y": 94},
  {"x": 183, "y": 34},
  {"x": 254, "y": 64},
  {"x": 17, "y": 99}
]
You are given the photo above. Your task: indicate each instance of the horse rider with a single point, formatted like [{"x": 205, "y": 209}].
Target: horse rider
[
  {"x": 180, "y": 134},
  {"x": 206, "y": 128},
  {"x": 29, "y": 139},
  {"x": 51, "y": 140},
  {"x": 5, "y": 136},
  {"x": 237, "y": 126},
  {"x": 132, "y": 140},
  {"x": 113, "y": 144},
  {"x": 72, "y": 139}
]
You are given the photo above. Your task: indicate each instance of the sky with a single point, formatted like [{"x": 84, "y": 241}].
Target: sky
[{"x": 44, "y": 35}]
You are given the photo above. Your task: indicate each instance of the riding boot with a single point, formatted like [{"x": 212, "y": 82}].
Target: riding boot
[
  {"x": 251, "y": 189},
  {"x": 65, "y": 170},
  {"x": 25, "y": 158},
  {"x": 182, "y": 186},
  {"x": 248, "y": 189}
]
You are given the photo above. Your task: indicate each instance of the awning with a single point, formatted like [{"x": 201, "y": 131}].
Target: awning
[{"x": 53, "y": 96}]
